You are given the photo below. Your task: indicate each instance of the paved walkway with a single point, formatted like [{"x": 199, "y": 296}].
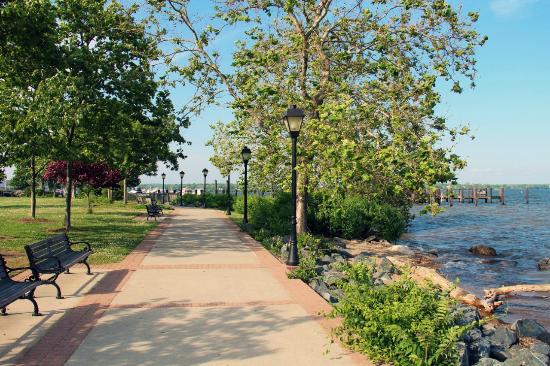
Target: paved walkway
[{"x": 197, "y": 291}]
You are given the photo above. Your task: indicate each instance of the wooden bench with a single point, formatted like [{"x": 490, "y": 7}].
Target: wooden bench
[
  {"x": 153, "y": 211},
  {"x": 55, "y": 256},
  {"x": 11, "y": 290}
]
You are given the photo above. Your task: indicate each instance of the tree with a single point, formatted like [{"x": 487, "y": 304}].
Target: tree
[
  {"x": 103, "y": 88},
  {"x": 365, "y": 72},
  {"x": 86, "y": 176},
  {"x": 28, "y": 56}
]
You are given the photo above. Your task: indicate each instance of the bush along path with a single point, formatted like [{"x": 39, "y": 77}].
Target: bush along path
[{"x": 393, "y": 317}]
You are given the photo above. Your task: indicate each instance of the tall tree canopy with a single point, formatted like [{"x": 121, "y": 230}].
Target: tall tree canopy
[
  {"x": 101, "y": 100},
  {"x": 365, "y": 72}
]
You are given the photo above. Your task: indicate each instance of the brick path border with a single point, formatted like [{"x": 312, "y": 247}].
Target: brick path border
[
  {"x": 60, "y": 341},
  {"x": 63, "y": 338}
]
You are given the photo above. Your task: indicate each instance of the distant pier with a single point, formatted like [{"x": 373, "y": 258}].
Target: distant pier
[{"x": 472, "y": 195}]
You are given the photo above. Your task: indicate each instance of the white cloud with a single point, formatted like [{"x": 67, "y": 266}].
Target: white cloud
[{"x": 509, "y": 7}]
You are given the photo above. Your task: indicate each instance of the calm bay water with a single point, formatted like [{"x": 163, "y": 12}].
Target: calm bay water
[{"x": 519, "y": 232}]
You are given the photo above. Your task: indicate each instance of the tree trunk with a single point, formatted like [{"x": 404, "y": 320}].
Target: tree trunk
[
  {"x": 125, "y": 191},
  {"x": 88, "y": 193},
  {"x": 33, "y": 187},
  {"x": 110, "y": 194},
  {"x": 301, "y": 209},
  {"x": 68, "y": 196}
]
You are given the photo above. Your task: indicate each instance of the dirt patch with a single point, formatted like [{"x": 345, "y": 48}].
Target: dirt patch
[
  {"x": 29, "y": 220},
  {"x": 5, "y": 237}
]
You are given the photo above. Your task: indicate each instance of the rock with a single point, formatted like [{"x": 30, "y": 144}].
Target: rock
[
  {"x": 321, "y": 288},
  {"x": 371, "y": 238},
  {"x": 483, "y": 250},
  {"x": 344, "y": 253},
  {"x": 361, "y": 257},
  {"x": 499, "y": 353},
  {"x": 487, "y": 362},
  {"x": 327, "y": 259},
  {"x": 503, "y": 337},
  {"x": 402, "y": 249},
  {"x": 472, "y": 335},
  {"x": 487, "y": 329},
  {"x": 540, "y": 347},
  {"x": 433, "y": 252},
  {"x": 331, "y": 278},
  {"x": 544, "y": 264},
  {"x": 463, "y": 354},
  {"x": 336, "y": 257},
  {"x": 284, "y": 251},
  {"x": 386, "y": 279},
  {"x": 526, "y": 357},
  {"x": 338, "y": 294},
  {"x": 479, "y": 349},
  {"x": 385, "y": 265},
  {"x": 319, "y": 270},
  {"x": 531, "y": 328},
  {"x": 468, "y": 315},
  {"x": 340, "y": 242}
]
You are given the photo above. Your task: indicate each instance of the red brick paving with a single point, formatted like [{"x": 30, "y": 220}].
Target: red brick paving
[
  {"x": 65, "y": 336},
  {"x": 59, "y": 342}
]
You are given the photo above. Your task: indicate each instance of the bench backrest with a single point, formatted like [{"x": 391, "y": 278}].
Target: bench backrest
[
  {"x": 4, "y": 276},
  {"x": 53, "y": 246}
]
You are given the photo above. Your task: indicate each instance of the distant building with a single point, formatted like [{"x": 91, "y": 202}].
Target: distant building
[{"x": 3, "y": 185}]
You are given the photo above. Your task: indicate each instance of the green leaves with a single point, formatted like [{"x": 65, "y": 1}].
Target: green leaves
[{"x": 402, "y": 322}]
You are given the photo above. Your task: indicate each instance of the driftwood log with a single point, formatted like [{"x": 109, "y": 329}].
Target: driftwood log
[
  {"x": 505, "y": 290},
  {"x": 421, "y": 274}
]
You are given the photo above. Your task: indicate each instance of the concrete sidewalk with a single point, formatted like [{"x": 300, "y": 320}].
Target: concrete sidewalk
[{"x": 196, "y": 292}]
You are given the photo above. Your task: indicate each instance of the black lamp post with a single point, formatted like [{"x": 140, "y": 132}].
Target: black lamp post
[
  {"x": 245, "y": 154},
  {"x": 205, "y": 173},
  {"x": 182, "y": 174},
  {"x": 228, "y": 211},
  {"x": 293, "y": 119},
  {"x": 163, "y": 178}
]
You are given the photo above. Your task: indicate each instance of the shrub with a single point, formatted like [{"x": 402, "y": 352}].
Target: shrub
[
  {"x": 403, "y": 322},
  {"x": 267, "y": 216},
  {"x": 355, "y": 217},
  {"x": 212, "y": 200},
  {"x": 306, "y": 269}
]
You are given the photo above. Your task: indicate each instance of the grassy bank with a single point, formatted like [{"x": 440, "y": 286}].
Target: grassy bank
[{"x": 112, "y": 229}]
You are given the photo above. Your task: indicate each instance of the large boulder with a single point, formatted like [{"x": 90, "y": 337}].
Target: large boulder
[
  {"x": 479, "y": 349},
  {"x": 503, "y": 337},
  {"x": 526, "y": 357},
  {"x": 483, "y": 250},
  {"x": 544, "y": 264},
  {"x": 531, "y": 328},
  {"x": 488, "y": 362}
]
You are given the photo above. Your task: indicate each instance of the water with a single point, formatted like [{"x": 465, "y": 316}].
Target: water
[{"x": 519, "y": 232}]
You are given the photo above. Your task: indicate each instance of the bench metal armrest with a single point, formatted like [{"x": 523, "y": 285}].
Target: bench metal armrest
[
  {"x": 88, "y": 247},
  {"x": 10, "y": 269},
  {"x": 59, "y": 265}
]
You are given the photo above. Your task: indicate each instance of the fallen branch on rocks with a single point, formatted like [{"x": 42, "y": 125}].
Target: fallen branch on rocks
[
  {"x": 504, "y": 290},
  {"x": 419, "y": 274}
]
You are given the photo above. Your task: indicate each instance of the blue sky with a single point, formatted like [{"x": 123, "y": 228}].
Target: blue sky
[{"x": 508, "y": 111}]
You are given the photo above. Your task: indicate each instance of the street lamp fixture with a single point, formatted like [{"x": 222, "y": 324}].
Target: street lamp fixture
[
  {"x": 293, "y": 119},
  {"x": 182, "y": 174},
  {"x": 245, "y": 154},
  {"x": 205, "y": 173},
  {"x": 163, "y": 175}
]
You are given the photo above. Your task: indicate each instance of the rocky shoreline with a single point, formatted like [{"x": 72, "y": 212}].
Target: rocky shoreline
[{"x": 525, "y": 342}]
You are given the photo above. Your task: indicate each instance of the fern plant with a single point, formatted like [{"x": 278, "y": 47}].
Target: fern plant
[{"x": 403, "y": 322}]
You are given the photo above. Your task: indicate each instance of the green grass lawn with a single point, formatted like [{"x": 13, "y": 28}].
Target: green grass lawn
[{"x": 111, "y": 229}]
